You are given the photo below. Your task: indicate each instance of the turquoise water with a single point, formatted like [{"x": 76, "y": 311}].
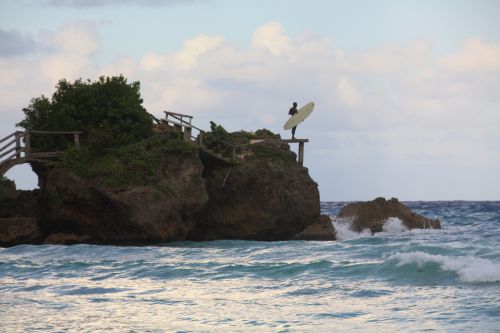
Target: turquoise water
[{"x": 408, "y": 281}]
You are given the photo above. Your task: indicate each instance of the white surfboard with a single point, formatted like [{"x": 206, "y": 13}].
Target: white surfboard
[{"x": 300, "y": 116}]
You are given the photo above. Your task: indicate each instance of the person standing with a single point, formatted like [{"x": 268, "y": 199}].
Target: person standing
[{"x": 293, "y": 110}]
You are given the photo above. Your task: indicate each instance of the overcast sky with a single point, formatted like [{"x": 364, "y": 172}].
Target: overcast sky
[{"x": 407, "y": 92}]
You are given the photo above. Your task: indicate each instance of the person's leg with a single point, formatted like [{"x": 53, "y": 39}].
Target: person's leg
[{"x": 293, "y": 132}]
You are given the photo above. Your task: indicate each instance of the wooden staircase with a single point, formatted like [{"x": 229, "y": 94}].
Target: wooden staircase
[{"x": 183, "y": 123}]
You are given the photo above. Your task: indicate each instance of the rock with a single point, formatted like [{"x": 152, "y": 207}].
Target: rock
[
  {"x": 321, "y": 230},
  {"x": 162, "y": 189},
  {"x": 66, "y": 239},
  {"x": 17, "y": 203},
  {"x": 266, "y": 196},
  {"x": 373, "y": 214},
  {"x": 19, "y": 230},
  {"x": 160, "y": 210}
]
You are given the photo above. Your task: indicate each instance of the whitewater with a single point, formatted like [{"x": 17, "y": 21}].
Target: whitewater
[{"x": 402, "y": 280}]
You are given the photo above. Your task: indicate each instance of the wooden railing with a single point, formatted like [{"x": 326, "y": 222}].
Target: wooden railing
[
  {"x": 18, "y": 149},
  {"x": 187, "y": 128}
]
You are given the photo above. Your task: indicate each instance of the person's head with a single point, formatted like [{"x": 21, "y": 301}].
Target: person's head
[{"x": 294, "y": 104}]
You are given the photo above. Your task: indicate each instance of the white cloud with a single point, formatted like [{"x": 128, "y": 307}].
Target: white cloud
[
  {"x": 347, "y": 93},
  {"x": 474, "y": 55},
  {"x": 74, "y": 44},
  {"x": 272, "y": 38},
  {"x": 194, "y": 48}
]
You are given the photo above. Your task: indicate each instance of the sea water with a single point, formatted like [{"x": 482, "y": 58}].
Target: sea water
[{"x": 397, "y": 280}]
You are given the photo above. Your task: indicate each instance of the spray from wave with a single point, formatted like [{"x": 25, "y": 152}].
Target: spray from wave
[
  {"x": 343, "y": 227},
  {"x": 468, "y": 269}
]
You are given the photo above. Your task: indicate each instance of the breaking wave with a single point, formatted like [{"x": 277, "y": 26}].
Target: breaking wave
[
  {"x": 343, "y": 227},
  {"x": 468, "y": 269}
]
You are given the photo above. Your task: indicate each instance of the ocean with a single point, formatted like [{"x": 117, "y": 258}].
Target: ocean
[{"x": 444, "y": 280}]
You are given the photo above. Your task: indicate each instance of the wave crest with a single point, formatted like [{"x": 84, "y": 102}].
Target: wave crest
[{"x": 468, "y": 269}]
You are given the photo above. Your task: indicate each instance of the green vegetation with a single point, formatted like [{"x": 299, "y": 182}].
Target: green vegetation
[
  {"x": 131, "y": 165},
  {"x": 221, "y": 141},
  {"x": 273, "y": 152},
  {"x": 108, "y": 111}
]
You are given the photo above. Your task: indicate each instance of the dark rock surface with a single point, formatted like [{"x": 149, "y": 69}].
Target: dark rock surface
[
  {"x": 19, "y": 230},
  {"x": 17, "y": 203},
  {"x": 266, "y": 196},
  {"x": 74, "y": 210},
  {"x": 321, "y": 230},
  {"x": 373, "y": 214}
]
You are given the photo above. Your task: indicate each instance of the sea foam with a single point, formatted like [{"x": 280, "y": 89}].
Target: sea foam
[
  {"x": 468, "y": 269},
  {"x": 343, "y": 227}
]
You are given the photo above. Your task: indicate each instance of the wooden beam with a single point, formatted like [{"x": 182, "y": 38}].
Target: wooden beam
[
  {"x": 55, "y": 132},
  {"x": 177, "y": 114},
  {"x": 77, "y": 141},
  {"x": 7, "y": 137},
  {"x": 301, "y": 154},
  {"x": 281, "y": 140}
]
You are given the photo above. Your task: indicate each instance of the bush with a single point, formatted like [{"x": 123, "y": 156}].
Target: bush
[{"x": 110, "y": 108}]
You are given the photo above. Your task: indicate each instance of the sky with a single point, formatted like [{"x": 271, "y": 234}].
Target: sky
[{"x": 407, "y": 93}]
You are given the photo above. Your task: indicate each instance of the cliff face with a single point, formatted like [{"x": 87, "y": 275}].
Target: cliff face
[
  {"x": 160, "y": 208},
  {"x": 163, "y": 190},
  {"x": 18, "y": 209},
  {"x": 265, "y": 196}
]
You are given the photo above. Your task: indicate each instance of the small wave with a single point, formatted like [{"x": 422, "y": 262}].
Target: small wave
[{"x": 468, "y": 269}]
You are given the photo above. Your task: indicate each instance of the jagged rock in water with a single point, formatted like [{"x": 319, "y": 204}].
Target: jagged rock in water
[
  {"x": 321, "y": 230},
  {"x": 374, "y": 214},
  {"x": 266, "y": 196}
]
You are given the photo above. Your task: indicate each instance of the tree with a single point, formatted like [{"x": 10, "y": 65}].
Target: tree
[{"x": 108, "y": 111}]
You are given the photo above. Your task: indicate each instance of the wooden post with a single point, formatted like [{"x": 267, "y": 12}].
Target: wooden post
[
  {"x": 18, "y": 144},
  {"x": 27, "y": 144},
  {"x": 77, "y": 140},
  {"x": 187, "y": 133},
  {"x": 301, "y": 153}
]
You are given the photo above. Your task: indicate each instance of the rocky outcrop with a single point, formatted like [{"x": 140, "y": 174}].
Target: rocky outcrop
[
  {"x": 18, "y": 211},
  {"x": 321, "y": 230},
  {"x": 265, "y": 196},
  {"x": 163, "y": 190},
  {"x": 17, "y": 203},
  {"x": 373, "y": 215},
  {"x": 76, "y": 210}
]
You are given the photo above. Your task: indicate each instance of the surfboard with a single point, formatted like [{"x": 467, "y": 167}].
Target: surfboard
[{"x": 300, "y": 116}]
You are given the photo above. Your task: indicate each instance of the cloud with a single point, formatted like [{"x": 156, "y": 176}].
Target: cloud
[
  {"x": 102, "y": 3},
  {"x": 72, "y": 45},
  {"x": 272, "y": 38},
  {"x": 474, "y": 55},
  {"x": 186, "y": 58},
  {"x": 14, "y": 43},
  {"x": 347, "y": 93}
]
